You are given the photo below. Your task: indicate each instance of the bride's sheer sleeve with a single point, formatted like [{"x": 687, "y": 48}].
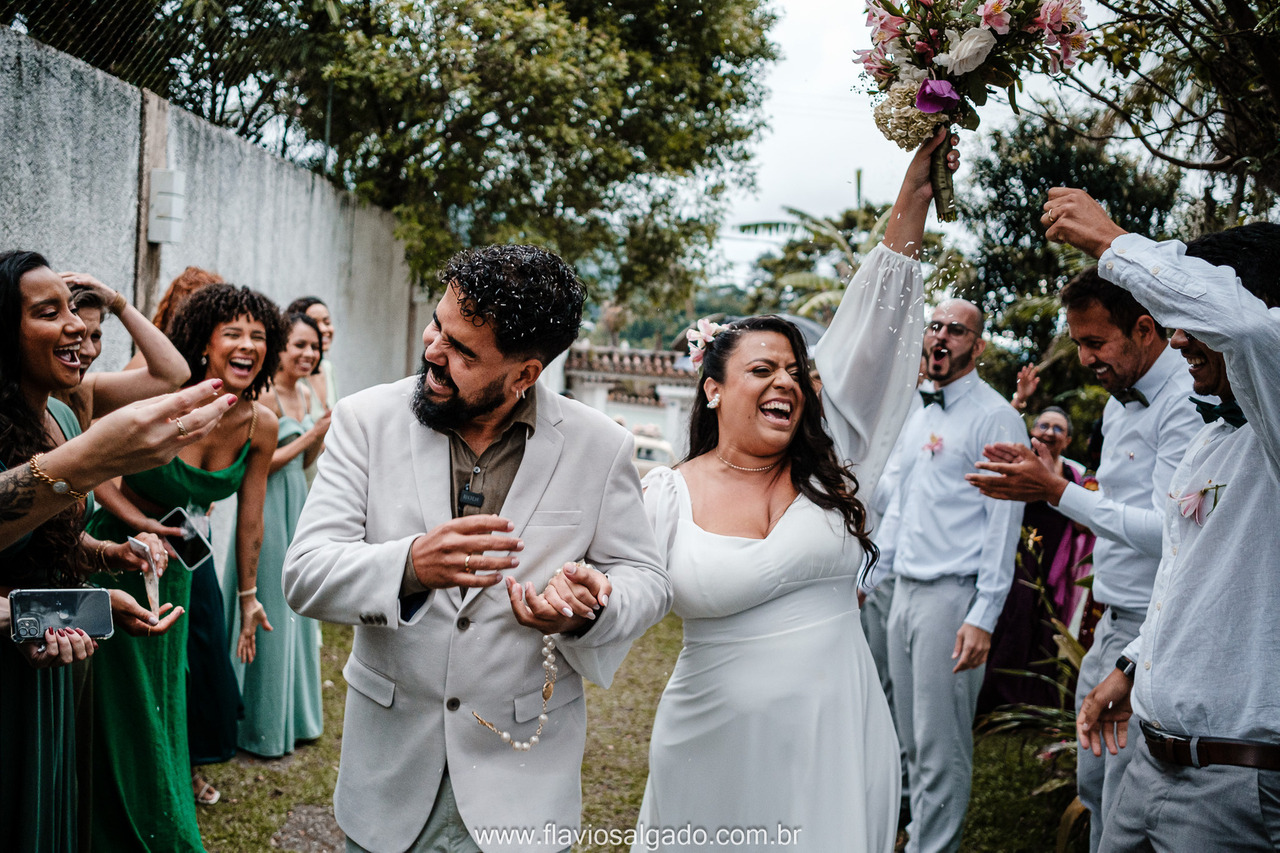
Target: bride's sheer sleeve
[
  {"x": 869, "y": 359},
  {"x": 662, "y": 504}
]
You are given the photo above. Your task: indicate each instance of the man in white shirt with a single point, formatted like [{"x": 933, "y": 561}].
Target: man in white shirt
[
  {"x": 1146, "y": 425},
  {"x": 951, "y": 551},
  {"x": 1202, "y": 674}
]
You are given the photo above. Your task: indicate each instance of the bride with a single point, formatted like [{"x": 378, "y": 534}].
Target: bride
[{"x": 773, "y": 729}]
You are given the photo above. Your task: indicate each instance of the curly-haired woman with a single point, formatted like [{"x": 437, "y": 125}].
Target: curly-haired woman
[{"x": 162, "y": 708}]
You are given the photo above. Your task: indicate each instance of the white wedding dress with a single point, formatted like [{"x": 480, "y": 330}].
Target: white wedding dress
[{"x": 773, "y": 730}]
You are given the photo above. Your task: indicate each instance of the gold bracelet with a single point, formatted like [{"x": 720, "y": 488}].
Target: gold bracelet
[
  {"x": 118, "y": 304},
  {"x": 61, "y": 487},
  {"x": 101, "y": 554}
]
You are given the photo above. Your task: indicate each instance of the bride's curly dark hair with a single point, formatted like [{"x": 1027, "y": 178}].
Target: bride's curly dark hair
[
  {"x": 816, "y": 472},
  {"x": 52, "y": 556}
]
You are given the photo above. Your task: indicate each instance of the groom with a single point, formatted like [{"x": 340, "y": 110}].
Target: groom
[{"x": 435, "y": 489}]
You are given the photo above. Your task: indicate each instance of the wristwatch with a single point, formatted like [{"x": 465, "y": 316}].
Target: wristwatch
[
  {"x": 59, "y": 486},
  {"x": 1126, "y": 666}
]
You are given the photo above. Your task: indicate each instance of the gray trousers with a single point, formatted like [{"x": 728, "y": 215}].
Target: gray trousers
[
  {"x": 933, "y": 706},
  {"x": 1165, "y": 807},
  {"x": 1098, "y": 778},
  {"x": 875, "y": 625}
]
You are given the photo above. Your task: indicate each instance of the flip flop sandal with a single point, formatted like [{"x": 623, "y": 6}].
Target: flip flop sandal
[{"x": 207, "y": 795}]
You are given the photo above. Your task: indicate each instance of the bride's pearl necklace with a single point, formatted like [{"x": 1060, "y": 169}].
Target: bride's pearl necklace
[{"x": 772, "y": 464}]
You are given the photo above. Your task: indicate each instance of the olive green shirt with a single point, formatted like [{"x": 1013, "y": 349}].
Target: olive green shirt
[{"x": 480, "y": 484}]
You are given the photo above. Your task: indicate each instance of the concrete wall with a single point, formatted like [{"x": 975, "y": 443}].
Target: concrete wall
[
  {"x": 69, "y": 168},
  {"x": 69, "y": 189}
]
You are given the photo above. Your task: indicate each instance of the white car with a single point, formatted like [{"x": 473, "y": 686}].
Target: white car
[{"x": 652, "y": 452}]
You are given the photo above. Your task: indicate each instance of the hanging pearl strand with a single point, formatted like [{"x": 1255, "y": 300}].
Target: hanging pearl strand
[{"x": 548, "y": 687}]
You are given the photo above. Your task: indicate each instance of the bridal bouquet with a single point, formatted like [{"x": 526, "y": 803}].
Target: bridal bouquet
[{"x": 935, "y": 62}]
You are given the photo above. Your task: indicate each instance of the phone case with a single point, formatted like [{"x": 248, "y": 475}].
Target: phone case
[
  {"x": 33, "y": 611},
  {"x": 192, "y": 547}
]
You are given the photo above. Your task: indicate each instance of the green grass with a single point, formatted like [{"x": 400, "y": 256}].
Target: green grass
[{"x": 258, "y": 796}]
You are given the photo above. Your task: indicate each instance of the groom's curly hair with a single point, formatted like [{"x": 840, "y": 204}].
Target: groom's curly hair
[{"x": 530, "y": 297}]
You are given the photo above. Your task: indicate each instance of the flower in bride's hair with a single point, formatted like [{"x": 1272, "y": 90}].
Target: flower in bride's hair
[{"x": 700, "y": 337}]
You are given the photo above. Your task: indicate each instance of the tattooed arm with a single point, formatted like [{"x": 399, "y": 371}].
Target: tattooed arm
[{"x": 136, "y": 437}]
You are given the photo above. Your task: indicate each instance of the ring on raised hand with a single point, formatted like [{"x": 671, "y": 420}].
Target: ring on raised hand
[
  {"x": 182, "y": 430},
  {"x": 466, "y": 564},
  {"x": 1052, "y": 216}
]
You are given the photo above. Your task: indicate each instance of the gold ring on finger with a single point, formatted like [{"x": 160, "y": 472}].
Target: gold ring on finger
[
  {"x": 466, "y": 564},
  {"x": 182, "y": 430}
]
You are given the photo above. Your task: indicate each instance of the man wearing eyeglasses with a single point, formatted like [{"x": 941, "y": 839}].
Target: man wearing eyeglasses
[
  {"x": 1146, "y": 426},
  {"x": 951, "y": 551}
]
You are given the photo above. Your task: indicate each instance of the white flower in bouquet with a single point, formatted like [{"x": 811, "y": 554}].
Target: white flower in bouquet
[
  {"x": 966, "y": 52},
  {"x": 901, "y": 121}
]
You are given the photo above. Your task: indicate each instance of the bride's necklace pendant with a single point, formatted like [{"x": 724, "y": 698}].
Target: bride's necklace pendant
[{"x": 772, "y": 464}]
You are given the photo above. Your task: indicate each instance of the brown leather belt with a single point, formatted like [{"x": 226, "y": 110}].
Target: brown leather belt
[{"x": 1204, "y": 751}]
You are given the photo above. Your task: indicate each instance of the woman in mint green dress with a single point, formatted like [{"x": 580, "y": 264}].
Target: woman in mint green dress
[
  {"x": 161, "y": 708},
  {"x": 281, "y": 688},
  {"x": 40, "y": 335}
]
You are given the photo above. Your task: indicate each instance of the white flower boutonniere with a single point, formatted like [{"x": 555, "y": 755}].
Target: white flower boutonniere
[{"x": 1197, "y": 505}]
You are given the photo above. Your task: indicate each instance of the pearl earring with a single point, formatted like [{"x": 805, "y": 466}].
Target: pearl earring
[
  {"x": 714, "y": 402},
  {"x": 204, "y": 359}
]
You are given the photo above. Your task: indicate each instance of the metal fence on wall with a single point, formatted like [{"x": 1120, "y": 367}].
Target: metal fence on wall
[{"x": 251, "y": 66}]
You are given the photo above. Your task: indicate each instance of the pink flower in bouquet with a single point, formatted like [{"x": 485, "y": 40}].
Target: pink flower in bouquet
[
  {"x": 876, "y": 63},
  {"x": 1068, "y": 47},
  {"x": 936, "y": 96},
  {"x": 885, "y": 27},
  {"x": 995, "y": 15},
  {"x": 925, "y": 50}
]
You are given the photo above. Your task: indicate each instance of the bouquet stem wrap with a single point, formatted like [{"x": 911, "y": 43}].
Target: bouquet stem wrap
[{"x": 944, "y": 192}]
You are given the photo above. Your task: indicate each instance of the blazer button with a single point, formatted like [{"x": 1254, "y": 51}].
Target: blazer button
[
  {"x": 463, "y": 623},
  {"x": 453, "y": 704}
]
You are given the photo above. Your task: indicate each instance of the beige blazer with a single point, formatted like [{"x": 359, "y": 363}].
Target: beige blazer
[{"x": 383, "y": 480}]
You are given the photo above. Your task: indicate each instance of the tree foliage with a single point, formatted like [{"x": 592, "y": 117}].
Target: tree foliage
[
  {"x": 1197, "y": 82},
  {"x": 811, "y": 271},
  {"x": 1018, "y": 272}
]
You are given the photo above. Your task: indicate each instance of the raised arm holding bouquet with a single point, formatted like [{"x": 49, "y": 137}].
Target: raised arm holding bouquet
[{"x": 936, "y": 61}]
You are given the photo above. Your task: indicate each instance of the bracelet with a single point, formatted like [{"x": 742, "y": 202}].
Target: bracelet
[
  {"x": 59, "y": 486},
  {"x": 245, "y": 593},
  {"x": 118, "y": 304},
  {"x": 101, "y": 554}
]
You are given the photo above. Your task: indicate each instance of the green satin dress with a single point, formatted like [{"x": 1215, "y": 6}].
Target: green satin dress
[
  {"x": 281, "y": 688},
  {"x": 38, "y": 791},
  {"x": 148, "y": 731}
]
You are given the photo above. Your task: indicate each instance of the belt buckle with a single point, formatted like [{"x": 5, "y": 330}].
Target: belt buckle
[{"x": 1163, "y": 737}]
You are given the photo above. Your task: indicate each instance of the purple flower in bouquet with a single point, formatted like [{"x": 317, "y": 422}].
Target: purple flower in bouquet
[{"x": 936, "y": 96}]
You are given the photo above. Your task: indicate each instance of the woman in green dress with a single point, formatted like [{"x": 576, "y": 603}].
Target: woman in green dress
[
  {"x": 163, "y": 708},
  {"x": 40, "y": 335},
  {"x": 281, "y": 688}
]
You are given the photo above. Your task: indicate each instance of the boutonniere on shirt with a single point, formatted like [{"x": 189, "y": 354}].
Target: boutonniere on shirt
[
  {"x": 933, "y": 445},
  {"x": 1197, "y": 505}
]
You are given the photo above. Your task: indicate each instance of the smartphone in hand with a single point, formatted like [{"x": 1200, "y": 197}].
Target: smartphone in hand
[
  {"x": 192, "y": 547},
  {"x": 34, "y": 611}
]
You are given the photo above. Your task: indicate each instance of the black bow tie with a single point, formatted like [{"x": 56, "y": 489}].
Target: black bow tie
[
  {"x": 1229, "y": 411},
  {"x": 933, "y": 397},
  {"x": 1131, "y": 395}
]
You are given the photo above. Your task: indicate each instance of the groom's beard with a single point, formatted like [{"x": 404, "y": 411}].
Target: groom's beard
[{"x": 454, "y": 411}]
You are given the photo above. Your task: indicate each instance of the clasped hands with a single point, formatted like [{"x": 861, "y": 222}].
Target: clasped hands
[
  {"x": 458, "y": 551},
  {"x": 1024, "y": 473}
]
